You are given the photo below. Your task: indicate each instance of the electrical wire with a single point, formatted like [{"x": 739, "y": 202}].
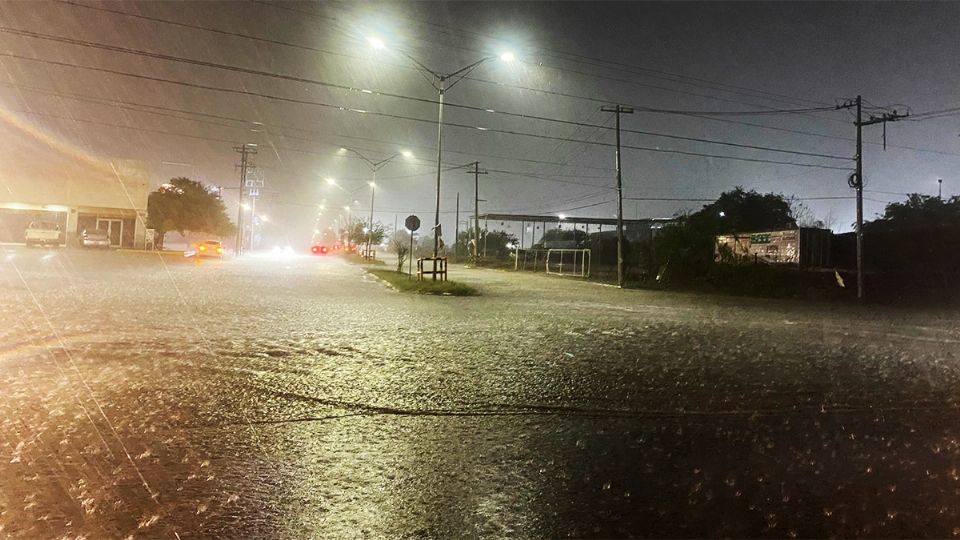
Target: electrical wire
[
  {"x": 495, "y": 83},
  {"x": 203, "y": 63},
  {"x": 396, "y": 116}
]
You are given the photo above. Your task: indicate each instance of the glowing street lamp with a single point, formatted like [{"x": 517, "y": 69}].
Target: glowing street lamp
[
  {"x": 441, "y": 85},
  {"x": 374, "y": 167}
]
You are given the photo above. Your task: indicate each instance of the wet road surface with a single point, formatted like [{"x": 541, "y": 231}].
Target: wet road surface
[{"x": 301, "y": 398}]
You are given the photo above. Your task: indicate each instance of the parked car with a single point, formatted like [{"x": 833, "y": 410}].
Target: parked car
[
  {"x": 210, "y": 248},
  {"x": 95, "y": 238},
  {"x": 42, "y": 233}
]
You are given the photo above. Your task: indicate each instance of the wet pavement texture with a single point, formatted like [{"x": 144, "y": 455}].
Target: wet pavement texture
[{"x": 299, "y": 397}]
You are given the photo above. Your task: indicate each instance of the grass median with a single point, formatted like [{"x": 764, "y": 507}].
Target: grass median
[{"x": 405, "y": 283}]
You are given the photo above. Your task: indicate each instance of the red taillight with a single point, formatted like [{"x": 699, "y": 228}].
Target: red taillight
[
  {"x": 315, "y": 249},
  {"x": 323, "y": 250}
]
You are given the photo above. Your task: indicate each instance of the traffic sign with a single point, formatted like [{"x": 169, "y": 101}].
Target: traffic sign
[{"x": 412, "y": 223}]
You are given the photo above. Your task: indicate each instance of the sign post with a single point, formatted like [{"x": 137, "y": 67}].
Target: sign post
[{"x": 412, "y": 223}]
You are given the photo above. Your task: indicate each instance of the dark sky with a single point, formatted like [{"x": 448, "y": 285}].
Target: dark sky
[{"x": 703, "y": 57}]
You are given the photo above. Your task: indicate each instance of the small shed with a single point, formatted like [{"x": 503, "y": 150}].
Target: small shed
[{"x": 803, "y": 247}]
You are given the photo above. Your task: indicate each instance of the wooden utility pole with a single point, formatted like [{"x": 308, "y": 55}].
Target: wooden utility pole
[
  {"x": 618, "y": 110},
  {"x": 456, "y": 230},
  {"x": 855, "y": 180},
  {"x": 476, "y": 208}
]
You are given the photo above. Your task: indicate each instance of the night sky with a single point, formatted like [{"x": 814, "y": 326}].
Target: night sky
[{"x": 315, "y": 62}]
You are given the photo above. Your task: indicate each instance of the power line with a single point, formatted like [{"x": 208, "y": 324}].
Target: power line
[
  {"x": 538, "y": 64},
  {"x": 458, "y": 32},
  {"x": 144, "y": 108},
  {"x": 286, "y": 149},
  {"x": 396, "y": 116},
  {"x": 203, "y": 63},
  {"x": 924, "y": 116}
]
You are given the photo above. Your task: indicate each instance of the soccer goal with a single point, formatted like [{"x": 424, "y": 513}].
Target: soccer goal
[{"x": 568, "y": 262}]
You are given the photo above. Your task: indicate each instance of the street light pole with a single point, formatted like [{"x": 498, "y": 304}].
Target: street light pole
[
  {"x": 441, "y": 86},
  {"x": 373, "y": 191},
  {"x": 374, "y": 167},
  {"x": 436, "y": 218}
]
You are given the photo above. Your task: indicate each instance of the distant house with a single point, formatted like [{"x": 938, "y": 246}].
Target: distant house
[{"x": 804, "y": 247}]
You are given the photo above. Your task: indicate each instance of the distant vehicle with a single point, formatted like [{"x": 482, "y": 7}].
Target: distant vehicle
[
  {"x": 318, "y": 249},
  {"x": 210, "y": 248},
  {"x": 95, "y": 238},
  {"x": 42, "y": 233}
]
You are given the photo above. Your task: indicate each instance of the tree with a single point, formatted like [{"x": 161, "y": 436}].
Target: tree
[
  {"x": 916, "y": 240},
  {"x": 184, "y": 205},
  {"x": 400, "y": 244},
  {"x": 355, "y": 234},
  {"x": 744, "y": 211},
  {"x": 580, "y": 238},
  {"x": 918, "y": 212}
]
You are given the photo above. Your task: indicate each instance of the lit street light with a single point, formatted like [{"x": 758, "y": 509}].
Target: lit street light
[
  {"x": 374, "y": 167},
  {"x": 439, "y": 83}
]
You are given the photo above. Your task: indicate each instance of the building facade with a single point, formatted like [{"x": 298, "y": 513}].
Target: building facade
[
  {"x": 804, "y": 247},
  {"x": 77, "y": 193}
]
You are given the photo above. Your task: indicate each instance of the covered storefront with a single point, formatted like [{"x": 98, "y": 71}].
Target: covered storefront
[{"x": 108, "y": 194}]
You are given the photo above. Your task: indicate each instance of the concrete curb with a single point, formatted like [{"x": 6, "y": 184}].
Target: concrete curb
[
  {"x": 382, "y": 281},
  {"x": 151, "y": 251}
]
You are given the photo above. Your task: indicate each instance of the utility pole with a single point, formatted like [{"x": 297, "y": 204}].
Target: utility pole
[
  {"x": 940, "y": 189},
  {"x": 618, "y": 110},
  {"x": 245, "y": 150},
  {"x": 456, "y": 230},
  {"x": 855, "y": 180},
  {"x": 476, "y": 208},
  {"x": 373, "y": 191}
]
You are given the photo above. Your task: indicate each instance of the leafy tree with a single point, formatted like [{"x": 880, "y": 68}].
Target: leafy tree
[
  {"x": 497, "y": 244},
  {"x": 916, "y": 240},
  {"x": 355, "y": 233},
  {"x": 580, "y": 237},
  {"x": 400, "y": 244},
  {"x": 184, "y": 205},
  {"x": 918, "y": 212},
  {"x": 744, "y": 211}
]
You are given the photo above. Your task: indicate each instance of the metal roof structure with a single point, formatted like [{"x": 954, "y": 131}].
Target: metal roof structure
[{"x": 554, "y": 218}]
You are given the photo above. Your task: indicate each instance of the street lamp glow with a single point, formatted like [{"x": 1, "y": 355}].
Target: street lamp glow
[
  {"x": 347, "y": 208},
  {"x": 331, "y": 182},
  {"x": 376, "y": 42},
  {"x": 245, "y": 206},
  {"x": 508, "y": 56},
  {"x": 372, "y": 184},
  {"x": 264, "y": 219},
  {"x": 723, "y": 214},
  {"x": 562, "y": 216},
  {"x": 407, "y": 154}
]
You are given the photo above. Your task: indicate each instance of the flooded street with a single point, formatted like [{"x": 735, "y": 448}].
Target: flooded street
[{"x": 145, "y": 396}]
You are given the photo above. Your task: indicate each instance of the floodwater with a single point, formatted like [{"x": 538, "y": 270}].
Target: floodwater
[{"x": 299, "y": 397}]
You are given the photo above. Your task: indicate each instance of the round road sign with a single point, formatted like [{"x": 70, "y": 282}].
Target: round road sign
[{"x": 412, "y": 223}]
